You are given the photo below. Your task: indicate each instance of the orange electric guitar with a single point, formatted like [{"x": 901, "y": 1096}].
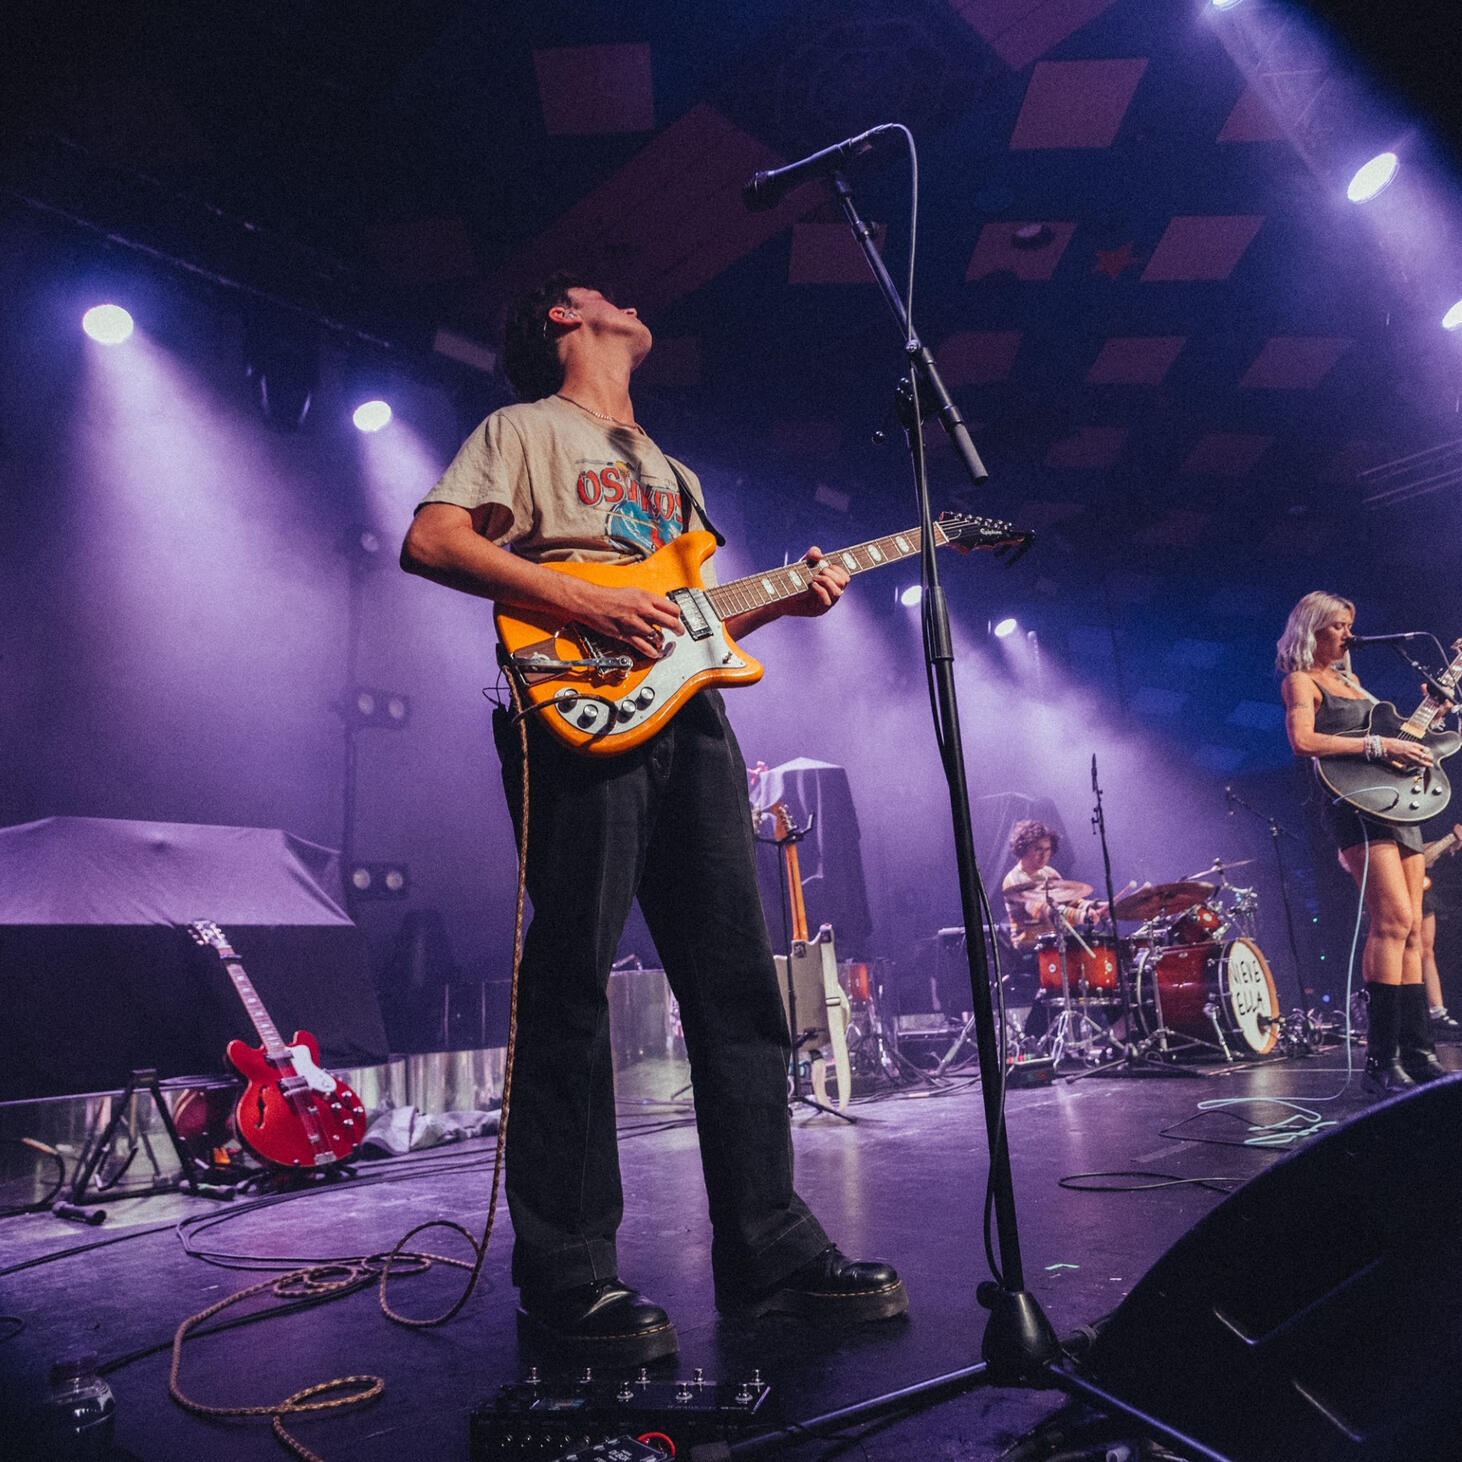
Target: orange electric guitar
[
  {"x": 823, "y": 1008},
  {"x": 292, "y": 1113},
  {"x": 602, "y": 698}
]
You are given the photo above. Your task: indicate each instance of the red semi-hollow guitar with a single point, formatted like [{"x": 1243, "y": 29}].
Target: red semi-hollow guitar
[{"x": 293, "y": 1113}]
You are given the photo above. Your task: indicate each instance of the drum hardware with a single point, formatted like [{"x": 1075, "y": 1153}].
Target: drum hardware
[
  {"x": 1073, "y": 1030},
  {"x": 872, "y": 1040},
  {"x": 1277, "y": 831}
]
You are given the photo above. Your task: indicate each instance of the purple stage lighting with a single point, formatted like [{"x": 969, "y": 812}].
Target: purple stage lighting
[
  {"x": 1004, "y": 628},
  {"x": 1372, "y": 178},
  {"x": 1452, "y": 320},
  {"x": 371, "y": 416},
  {"x": 107, "y": 324}
]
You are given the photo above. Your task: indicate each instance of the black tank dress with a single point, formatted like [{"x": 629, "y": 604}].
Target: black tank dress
[{"x": 1335, "y": 716}]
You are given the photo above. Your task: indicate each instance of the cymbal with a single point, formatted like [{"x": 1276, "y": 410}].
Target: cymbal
[
  {"x": 1162, "y": 898},
  {"x": 1220, "y": 865},
  {"x": 1049, "y": 890}
]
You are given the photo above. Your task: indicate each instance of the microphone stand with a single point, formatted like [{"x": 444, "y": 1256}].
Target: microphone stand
[
  {"x": 1019, "y": 1346},
  {"x": 1019, "y": 1342},
  {"x": 1307, "y": 1041}
]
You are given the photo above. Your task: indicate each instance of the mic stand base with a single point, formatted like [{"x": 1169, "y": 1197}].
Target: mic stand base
[{"x": 1019, "y": 1342}]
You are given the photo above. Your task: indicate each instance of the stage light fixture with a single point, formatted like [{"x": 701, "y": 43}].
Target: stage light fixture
[
  {"x": 378, "y": 880},
  {"x": 282, "y": 367},
  {"x": 911, "y": 596},
  {"x": 1452, "y": 320},
  {"x": 364, "y": 706},
  {"x": 371, "y": 416},
  {"x": 1373, "y": 178},
  {"x": 107, "y": 324},
  {"x": 1005, "y": 628}
]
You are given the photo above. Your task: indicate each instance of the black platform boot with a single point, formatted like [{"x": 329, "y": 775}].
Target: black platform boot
[
  {"x": 1414, "y": 1037},
  {"x": 1385, "y": 1075}
]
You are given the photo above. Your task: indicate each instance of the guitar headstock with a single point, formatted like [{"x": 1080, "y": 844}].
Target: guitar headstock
[
  {"x": 967, "y": 532},
  {"x": 210, "y": 936}
]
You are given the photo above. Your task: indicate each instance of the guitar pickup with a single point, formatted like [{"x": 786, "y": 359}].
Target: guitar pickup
[{"x": 692, "y": 612}]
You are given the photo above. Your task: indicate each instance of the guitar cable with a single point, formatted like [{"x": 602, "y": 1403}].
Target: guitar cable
[{"x": 325, "y": 1281}]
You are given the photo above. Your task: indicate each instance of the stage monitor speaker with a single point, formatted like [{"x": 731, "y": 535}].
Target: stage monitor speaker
[{"x": 1316, "y": 1313}]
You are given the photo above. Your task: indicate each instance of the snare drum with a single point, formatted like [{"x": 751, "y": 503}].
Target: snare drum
[
  {"x": 1198, "y": 925},
  {"x": 1098, "y": 969},
  {"x": 1233, "y": 978}
]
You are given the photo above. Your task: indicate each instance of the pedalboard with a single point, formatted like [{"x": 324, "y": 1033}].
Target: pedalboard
[{"x": 555, "y": 1419}]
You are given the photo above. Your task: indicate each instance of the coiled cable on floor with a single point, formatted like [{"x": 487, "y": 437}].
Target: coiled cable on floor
[{"x": 327, "y": 1279}]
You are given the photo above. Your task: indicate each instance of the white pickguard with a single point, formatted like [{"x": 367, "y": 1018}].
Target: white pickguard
[{"x": 320, "y": 1081}]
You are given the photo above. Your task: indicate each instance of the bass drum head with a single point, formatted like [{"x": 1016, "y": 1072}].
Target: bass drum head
[{"x": 1248, "y": 991}]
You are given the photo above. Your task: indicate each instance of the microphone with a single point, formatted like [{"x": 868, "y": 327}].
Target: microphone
[
  {"x": 767, "y": 189},
  {"x": 1411, "y": 634}
]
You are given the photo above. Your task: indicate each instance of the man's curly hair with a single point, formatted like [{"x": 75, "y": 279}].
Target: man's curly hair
[
  {"x": 530, "y": 341},
  {"x": 1026, "y": 834}
]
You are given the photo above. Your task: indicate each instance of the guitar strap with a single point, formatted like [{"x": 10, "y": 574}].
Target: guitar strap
[{"x": 686, "y": 495}]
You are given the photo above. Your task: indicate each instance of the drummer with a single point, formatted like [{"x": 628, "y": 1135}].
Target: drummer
[{"x": 1030, "y": 905}]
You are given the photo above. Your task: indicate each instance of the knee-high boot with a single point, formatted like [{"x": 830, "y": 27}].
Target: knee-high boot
[
  {"x": 1385, "y": 1074},
  {"x": 1414, "y": 1038}
]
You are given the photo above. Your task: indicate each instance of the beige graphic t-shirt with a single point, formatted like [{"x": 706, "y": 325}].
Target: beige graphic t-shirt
[{"x": 564, "y": 485}]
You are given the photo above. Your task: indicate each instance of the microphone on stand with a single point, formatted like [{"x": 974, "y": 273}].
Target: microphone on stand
[
  {"x": 767, "y": 189},
  {"x": 1411, "y": 634}
]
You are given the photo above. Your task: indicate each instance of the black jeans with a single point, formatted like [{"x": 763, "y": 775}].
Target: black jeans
[{"x": 668, "y": 822}]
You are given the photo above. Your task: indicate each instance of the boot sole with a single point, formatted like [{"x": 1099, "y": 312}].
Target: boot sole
[
  {"x": 633, "y": 1348},
  {"x": 828, "y": 1307}
]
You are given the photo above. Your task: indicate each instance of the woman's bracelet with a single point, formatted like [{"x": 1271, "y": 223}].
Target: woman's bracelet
[{"x": 1374, "y": 751}]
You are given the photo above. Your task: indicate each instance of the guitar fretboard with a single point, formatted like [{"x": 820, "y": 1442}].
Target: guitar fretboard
[
  {"x": 213, "y": 937},
  {"x": 741, "y": 596},
  {"x": 1420, "y": 720}
]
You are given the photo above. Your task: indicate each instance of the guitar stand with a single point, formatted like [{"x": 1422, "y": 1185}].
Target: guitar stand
[
  {"x": 221, "y": 1182},
  {"x": 274, "y": 1180}
]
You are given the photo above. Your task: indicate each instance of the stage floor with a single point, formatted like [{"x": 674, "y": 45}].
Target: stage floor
[{"x": 906, "y": 1184}]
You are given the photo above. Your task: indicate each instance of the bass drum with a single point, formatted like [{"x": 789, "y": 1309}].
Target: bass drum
[{"x": 1233, "y": 978}]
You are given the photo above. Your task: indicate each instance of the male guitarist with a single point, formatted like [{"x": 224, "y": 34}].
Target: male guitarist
[{"x": 569, "y": 474}]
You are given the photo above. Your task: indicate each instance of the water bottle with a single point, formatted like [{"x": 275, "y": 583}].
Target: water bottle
[{"x": 79, "y": 1415}]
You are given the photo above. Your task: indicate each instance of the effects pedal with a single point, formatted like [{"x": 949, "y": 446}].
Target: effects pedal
[
  {"x": 554, "y": 1419},
  {"x": 621, "y": 1449}
]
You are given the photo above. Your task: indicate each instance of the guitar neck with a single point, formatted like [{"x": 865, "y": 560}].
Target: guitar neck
[
  {"x": 274, "y": 1046},
  {"x": 1420, "y": 721},
  {"x": 1433, "y": 851},
  {"x": 741, "y": 596},
  {"x": 794, "y": 888}
]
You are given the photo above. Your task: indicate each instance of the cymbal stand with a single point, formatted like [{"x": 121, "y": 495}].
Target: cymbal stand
[
  {"x": 1146, "y": 1055},
  {"x": 1301, "y": 1031}
]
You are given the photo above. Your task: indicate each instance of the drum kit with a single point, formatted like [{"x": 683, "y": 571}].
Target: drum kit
[{"x": 1198, "y": 980}]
